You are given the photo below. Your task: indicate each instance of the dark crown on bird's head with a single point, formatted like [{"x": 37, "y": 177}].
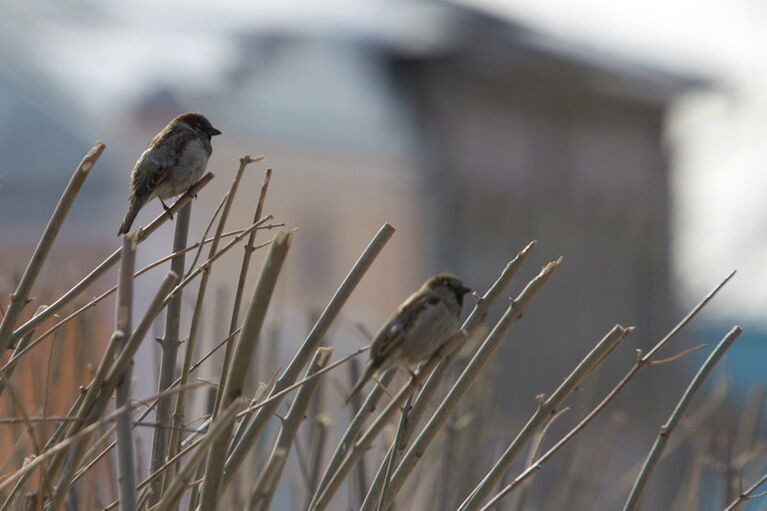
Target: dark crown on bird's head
[
  {"x": 197, "y": 122},
  {"x": 451, "y": 282}
]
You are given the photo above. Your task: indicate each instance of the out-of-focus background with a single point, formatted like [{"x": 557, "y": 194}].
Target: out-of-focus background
[{"x": 628, "y": 138}]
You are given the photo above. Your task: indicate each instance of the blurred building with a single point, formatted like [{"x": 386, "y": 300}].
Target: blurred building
[{"x": 473, "y": 135}]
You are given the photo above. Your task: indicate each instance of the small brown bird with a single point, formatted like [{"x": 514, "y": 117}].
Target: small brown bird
[
  {"x": 173, "y": 161},
  {"x": 421, "y": 325}
]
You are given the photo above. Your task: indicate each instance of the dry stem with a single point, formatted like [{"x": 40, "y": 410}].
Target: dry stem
[
  {"x": 235, "y": 378},
  {"x": 310, "y": 345},
  {"x": 668, "y": 428},
  {"x": 28, "y": 278}
]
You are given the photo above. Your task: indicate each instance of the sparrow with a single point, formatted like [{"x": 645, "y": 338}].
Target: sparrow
[
  {"x": 172, "y": 162},
  {"x": 418, "y": 328}
]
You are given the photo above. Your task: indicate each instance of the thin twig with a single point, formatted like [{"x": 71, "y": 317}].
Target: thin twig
[
  {"x": 218, "y": 429},
  {"x": 361, "y": 471},
  {"x": 208, "y": 227},
  {"x": 162, "y": 469},
  {"x": 244, "y": 162},
  {"x": 54, "y": 449},
  {"x": 146, "y": 412},
  {"x": 235, "y": 378},
  {"x": 271, "y": 398},
  {"x": 316, "y": 438},
  {"x": 32, "y": 271},
  {"x": 308, "y": 348},
  {"x": 691, "y": 424},
  {"x": 512, "y": 315},
  {"x": 98, "y": 396},
  {"x": 53, "y": 353},
  {"x": 169, "y": 347},
  {"x": 7, "y": 371},
  {"x": 19, "y": 405},
  {"x": 206, "y": 265},
  {"x": 550, "y": 405},
  {"x": 241, "y": 280},
  {"x": 747, "y": 494},
  {"x": 743, "y": 447},
  {"x": 110, "y": 261},
  {"x": 266, "y": 483},
  {"x": 642, "y": 361},
  {"x": 535, "y": 450},
  {"x": 484, "y": 488},
  {"x": 350, "y": 436},
  {"x": 20, "y": 352},
  {"x": 279, "y": 456},
  {"x": 668, "y": 428},
  {"x": 379, "y": 497},
  {"x": 126, "y": 473}
]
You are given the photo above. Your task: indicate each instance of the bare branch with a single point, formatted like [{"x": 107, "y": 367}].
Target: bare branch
[
  {"x": 18, "y": 353},
  {"x": 535, "y": 451},
  {"x": 126, "y": 472},
  {"x": 169, "y": 346},
  {"x": 19, "y": 297},
  {"x": 548, "y": 408},
  {"x": 309, "y": 346},
  {"x": 482, "y": 491},
  {"x": 476, "y": 318},
  {"x": 241, "y": 280},
  {"x": 219, "y": 428},
  {"x": 110, "y": 261},
  {"x": 668, "y": 428},
  {"x": 377, "y": 493},
  {"x": 266, "y": 484},
  {"x": 101, "y": 388},
  {"x": 512, "y": 315},
  {"x": 235, "y": 378}
]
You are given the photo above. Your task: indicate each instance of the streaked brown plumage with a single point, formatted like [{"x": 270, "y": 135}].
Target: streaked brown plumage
[
  {"x": 173, "y": 161},
  {"x": 425, "y": 321}
]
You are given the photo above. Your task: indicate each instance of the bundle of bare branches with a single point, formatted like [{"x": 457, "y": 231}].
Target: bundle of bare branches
[{"x": 236, "y": 455}]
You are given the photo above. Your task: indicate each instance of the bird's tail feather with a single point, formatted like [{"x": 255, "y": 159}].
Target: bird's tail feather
[
  {"x": 370, "y": 370},
  {"x": 130, "y": 216}
]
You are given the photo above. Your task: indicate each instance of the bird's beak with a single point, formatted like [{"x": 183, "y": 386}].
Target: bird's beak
[
  {"x": 213, "y": 132},
  {"x": 463, "y": 290}
]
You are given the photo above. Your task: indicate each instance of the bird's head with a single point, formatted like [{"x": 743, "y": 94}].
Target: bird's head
[
  {"x": 450, "y": 284},
  {"x": 198, "y": 123}
]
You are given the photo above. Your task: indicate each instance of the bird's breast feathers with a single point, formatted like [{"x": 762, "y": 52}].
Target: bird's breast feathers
[
  {"x": 186, "y": 170},
  {"x": 417, "y": 329}
]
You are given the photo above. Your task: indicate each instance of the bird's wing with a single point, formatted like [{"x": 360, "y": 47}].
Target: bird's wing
[
  {"x": 156, "y": 163},
  {"x": 393, "y": 332}
]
